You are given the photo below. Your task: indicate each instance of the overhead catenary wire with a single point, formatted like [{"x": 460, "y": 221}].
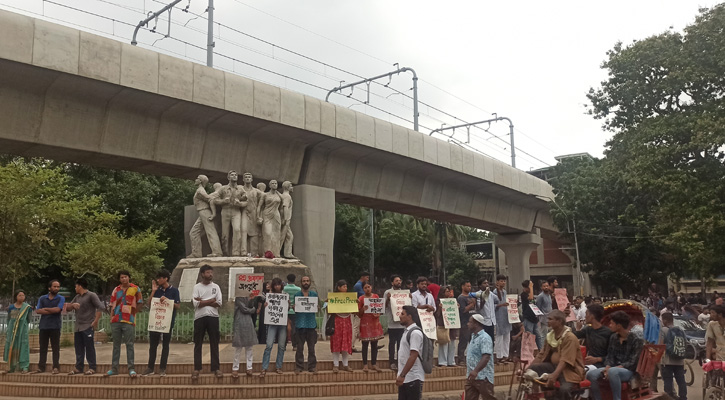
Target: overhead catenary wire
[{"x": 286, "y": 76}]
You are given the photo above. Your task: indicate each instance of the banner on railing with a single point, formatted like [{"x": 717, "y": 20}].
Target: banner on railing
[{"x": 160, "y": 315}]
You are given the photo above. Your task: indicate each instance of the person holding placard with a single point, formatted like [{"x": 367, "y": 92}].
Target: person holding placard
[
  {"x": 243, "y": 334},
  {"x": 370, "y": 329},
  {"x": 395, "y": 329},
  {"x": 446, "y": 337},
  {"x": 306, "y": 326},
  {"x": 206, "y": 298},
  {"x": 422, "y": 299},
  {"x": 531, "y": 321},
  {"x": 341, "y": 340},
  {"x": 503, "y": 327},
  {"x": 162, "y": 290},
  {"x": 274, "y": 331}
]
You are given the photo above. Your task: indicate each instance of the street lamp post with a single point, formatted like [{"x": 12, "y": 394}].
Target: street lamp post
[{"x": 576, "y": 241}]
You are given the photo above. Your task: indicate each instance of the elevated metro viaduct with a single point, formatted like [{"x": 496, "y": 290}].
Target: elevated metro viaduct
[{"x": 73, "y": 96}]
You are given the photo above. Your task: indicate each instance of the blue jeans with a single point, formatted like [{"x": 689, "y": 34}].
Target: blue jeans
[
  {"x": 615, "y": 376},
  {"x": 280, "y": 333},
  {"x": 533, "y": 327}
]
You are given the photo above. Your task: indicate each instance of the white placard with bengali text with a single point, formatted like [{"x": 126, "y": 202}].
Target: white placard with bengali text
[
  {"x": 398, "y": 299},
  {"x": 160, "y": 315},
  {"x": 375, "y": 306},
  {"x": 305, "y": 304},
  {"x": 277, "y": 307},
  {"x": 428, "y": 322}
]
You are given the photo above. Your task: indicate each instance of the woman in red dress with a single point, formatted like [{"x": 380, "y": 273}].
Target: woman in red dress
[
  {"x": 370, "y": 329},
  {"x": 341, "y": 340}
]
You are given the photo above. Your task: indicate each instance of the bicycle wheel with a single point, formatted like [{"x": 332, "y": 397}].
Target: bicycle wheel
[
  {"x": 689, "y": 373},
  {"x": 714, "y": 393}
]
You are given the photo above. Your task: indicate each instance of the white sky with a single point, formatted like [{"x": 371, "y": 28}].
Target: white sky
[{"x": 531, "y": 61}]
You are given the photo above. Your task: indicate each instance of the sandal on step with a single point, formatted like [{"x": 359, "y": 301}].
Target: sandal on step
[
  {"x": 90, "y": 372},
  {"x": 235, "y": 374},
  {"x": 75, "y": 372}
]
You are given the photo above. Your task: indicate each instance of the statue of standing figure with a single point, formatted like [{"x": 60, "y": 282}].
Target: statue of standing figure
[
  {"x": 232, "y": 199},
  {"x": 269, "y": 217},
  {"x": 286, "y": 234},
  {"x": 250, "y": 230},
  {"x": 205, "y": 222}
]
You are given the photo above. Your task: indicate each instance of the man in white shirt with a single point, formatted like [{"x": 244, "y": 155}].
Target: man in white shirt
[
  {"x": 410, "y": 370},
  {"x": 421, "y": 298},
  {"x": 395, "y": 329},
  {"x": 580, "y": 312},
  {"x": 486, "y": 302},
  {"x": 207, "y": 298}
]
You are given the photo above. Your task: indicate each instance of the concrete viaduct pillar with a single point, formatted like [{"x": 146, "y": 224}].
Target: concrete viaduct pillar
[
  {"x": 518, "y": 248},
  {"x": 313, "y": 227}
]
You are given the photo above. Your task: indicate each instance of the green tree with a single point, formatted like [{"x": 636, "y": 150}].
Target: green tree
[
  {"x": 460, "y": 267},
  {"x": 39, "y": 215},
  {"x": 664, "y": 100},
  {"x": 105, "y": 252},
  {"x": 143, "y": 202},
  {"x": 351, "y": 249}
]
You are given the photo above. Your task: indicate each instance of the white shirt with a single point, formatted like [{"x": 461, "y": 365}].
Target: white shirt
[
  {"x": 416, "y": 372},
  {"x": 206, "y": 292},
  {"x": 420, "y": 300},
  {"x": 581, "y": 313},
  {"x": 488, "y": 311}
]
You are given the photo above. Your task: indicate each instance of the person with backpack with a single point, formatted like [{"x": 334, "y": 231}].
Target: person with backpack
[
  {"x": 414, "y": 348},
  {"x": 673, "y": 362},
  {"x": 479, "y": 364}
]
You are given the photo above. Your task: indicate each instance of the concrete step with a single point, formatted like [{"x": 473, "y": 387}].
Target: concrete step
[
  {"x": 191, "y": 391},
  {"x": 287, "y": 366}
]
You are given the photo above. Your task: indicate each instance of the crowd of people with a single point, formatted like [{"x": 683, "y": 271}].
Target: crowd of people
[{"x": 485, "y": 336}]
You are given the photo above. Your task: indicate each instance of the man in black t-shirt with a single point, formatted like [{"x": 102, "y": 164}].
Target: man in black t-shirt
[
  {"x": 596, "y": 336},
  {"x": 531, "y": 321},
  {"x": 466, "y": 308}
]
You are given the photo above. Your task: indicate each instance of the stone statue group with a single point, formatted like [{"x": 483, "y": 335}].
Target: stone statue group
[{"x": 254, "y": 222}]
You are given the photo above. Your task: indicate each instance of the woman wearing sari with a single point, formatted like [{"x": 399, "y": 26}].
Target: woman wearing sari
[{"x": 17, "y": 348}]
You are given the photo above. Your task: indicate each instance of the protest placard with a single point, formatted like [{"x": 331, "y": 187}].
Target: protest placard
[
  {"x": 562, "y": 302},
  {"x": 277, "y": 307},
  {"x": 428, "y": 322},
  {"x": 528, "y": 345},
  {"x": 536, "y": 310},
  {"x": 245, "y": 284},
  {"x": 451, "y": 319},
  {"x": 160, "y": 315},
  {"x": 342, "y": 302},
  {"x": 305, "y": 304},
  {"x": 513, "y": 308},
  {"x": 398, "y": 299},
  {"x": 375, "y": 306}
]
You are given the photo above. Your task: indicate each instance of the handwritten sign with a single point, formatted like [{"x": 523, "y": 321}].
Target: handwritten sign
[
  {"x": 451, "y": 319},
  {"x": 246, "y": 284},
  {"x": 398, "y": 299},
  {"x": 428, "y": 322},
  {"x": 306, "y": 304},
  {"x": 513, "y": 308},
  {"x": 562, "y": 302},
  {"x": 536, "y": 310},
  {"x": 277, "y": 308},
  {"x": 528, "y": 345},
  {"x": 375, "y": 306},
  {"x": 342, "y": 302},
  {"x": 160, "y": 315}
]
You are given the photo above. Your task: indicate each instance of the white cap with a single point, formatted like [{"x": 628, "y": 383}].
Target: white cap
[{"x": 478, "y": 318}]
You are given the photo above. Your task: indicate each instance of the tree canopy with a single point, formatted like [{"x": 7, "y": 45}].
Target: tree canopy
[{"x": 654, "y": 204}]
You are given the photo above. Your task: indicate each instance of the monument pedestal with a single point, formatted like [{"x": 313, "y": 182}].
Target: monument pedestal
[{"x": 186, "y": 273}]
